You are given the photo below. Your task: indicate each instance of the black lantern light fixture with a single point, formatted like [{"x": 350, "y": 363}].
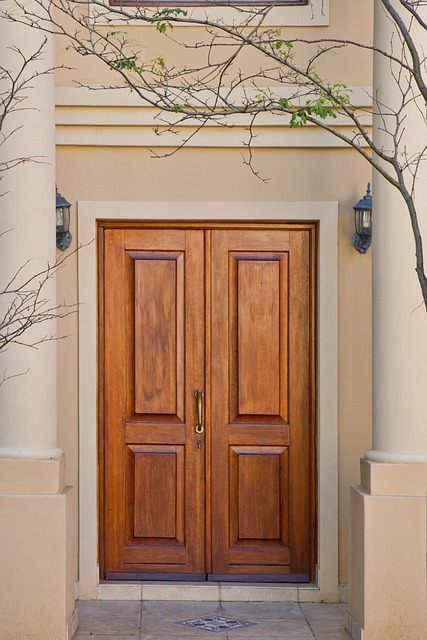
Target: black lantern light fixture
[
  {"x": 63, "y": 235},
  {"x": 362, "y": 239}
]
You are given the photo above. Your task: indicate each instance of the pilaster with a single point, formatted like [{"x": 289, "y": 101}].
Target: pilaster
[
  {"x": 387, "y": 594},
  {"x": 37, "y": 556},
  {"x": 387, "y": 578}
]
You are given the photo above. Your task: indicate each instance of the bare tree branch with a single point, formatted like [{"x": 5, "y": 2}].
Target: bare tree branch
[
  {"x": 26, "y": 305},
  {"x": 282, "y": 79},
  {"x": 15, "y": 88}
]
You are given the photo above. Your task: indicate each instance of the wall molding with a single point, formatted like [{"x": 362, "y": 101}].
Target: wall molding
[
  {"x": 326, "y": 214},
  {"x": 118, "y": 117},
  {"x": 314, "y": 14}
]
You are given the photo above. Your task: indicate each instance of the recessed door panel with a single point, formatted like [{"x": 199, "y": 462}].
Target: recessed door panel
[
  {"x": 158, "y": 471},
  {"x": 259, "y": 477},
  {"x": 258, "y": 330},
  {"x": 159, "y": 334},
  {"x": 258, "y": 355}
]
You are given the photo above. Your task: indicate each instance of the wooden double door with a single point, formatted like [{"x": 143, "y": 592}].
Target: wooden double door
[{"x": 207, "y": 389}]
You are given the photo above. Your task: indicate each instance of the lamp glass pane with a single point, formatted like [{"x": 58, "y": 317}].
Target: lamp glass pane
[
  {"x": 59, "y": 219},
  {"x": 366, "y": 220},
  {"x": 66, "y": 218},
  {"x": 363, "y": 222}
]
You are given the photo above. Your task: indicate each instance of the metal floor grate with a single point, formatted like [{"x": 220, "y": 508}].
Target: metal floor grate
[{"x": 215, "y": 623}]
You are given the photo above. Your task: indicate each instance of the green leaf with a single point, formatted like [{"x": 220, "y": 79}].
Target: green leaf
[
  {"x": 164, "y": 13},
  {"x": 127, "y": 64}
]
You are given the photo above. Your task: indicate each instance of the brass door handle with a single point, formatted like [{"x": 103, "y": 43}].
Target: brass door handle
[{"x": 199, "y": 428}]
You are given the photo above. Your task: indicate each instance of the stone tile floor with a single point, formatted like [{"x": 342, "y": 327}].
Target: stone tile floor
[{"x": 114, "y": 620}]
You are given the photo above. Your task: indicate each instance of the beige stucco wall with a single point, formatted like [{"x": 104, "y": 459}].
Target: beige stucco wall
[{"x": 103, "y": 169}]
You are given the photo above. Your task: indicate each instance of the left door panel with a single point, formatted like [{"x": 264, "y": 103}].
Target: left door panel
[{"x": 152, "y": 341}]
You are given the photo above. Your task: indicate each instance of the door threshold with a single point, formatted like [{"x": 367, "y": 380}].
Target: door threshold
[{"x": 208, "y": 591}]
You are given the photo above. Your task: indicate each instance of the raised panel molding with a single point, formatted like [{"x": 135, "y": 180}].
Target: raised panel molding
[
  {"x": 159, "y": 490},
  {"x": 159, "y": 356},
  {"x": 259, "y": 478}
]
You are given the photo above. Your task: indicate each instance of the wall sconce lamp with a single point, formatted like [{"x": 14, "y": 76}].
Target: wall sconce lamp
[
  {"x": 362, "y": 239},
  {"x": 63, "y": 235}
]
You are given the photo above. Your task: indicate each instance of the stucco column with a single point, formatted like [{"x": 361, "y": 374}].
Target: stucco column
[
  {"x": 36, "y": 551},
  {"x": 28, "y": 397},
  {"x": 387, "y": 586},
  {"x": 399, "y": 316}
]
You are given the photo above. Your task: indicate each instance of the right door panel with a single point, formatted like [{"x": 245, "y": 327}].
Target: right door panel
[{"x": 261, "y": 422}]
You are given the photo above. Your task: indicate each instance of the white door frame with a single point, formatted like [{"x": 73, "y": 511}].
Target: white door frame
[{"x": 326, "y": 214}]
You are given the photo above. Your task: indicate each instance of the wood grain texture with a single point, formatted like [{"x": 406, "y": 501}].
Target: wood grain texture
[
  {"x": 114, "y": 387},
  {"x": 258, "y": 325},
  {"x": 156, "y": 336},
  {"x": 258, "y": 334},
  {"x": 299, "y": 382},
  {"x": 159, "y": 492},
  {"x": 229, "y": 310},
  {"x": 154, "y": 471},
  {"x": 258, "y": 484},
  {"x": 263, "y": 277}
]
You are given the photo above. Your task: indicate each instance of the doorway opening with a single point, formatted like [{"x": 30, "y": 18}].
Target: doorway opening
[{"x": 207, "y": 388}]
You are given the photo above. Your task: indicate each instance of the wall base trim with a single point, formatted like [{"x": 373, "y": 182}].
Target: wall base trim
[
  {"x": 343, "y": 593},
  {"x": 353, "y": 628},
  {"x": 72, "y": 624}
]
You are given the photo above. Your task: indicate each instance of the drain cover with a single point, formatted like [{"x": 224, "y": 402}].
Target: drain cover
[{"x": 216, "y": 624}]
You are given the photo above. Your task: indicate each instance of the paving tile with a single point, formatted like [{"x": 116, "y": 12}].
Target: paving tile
[
  {"x": 184, "y": 609},
  {"x": 327, "y": 620},
  {"x": 123, "y": 592},
  {"x": 273, "y": 629},
  {"x": 327, "y": 628},
  {"x": 200, "y": 636},
  {"x": 289, "y": 634},
  {"x": 181, "y": 592},
  {"x": 324, "y": 611},
  {"x": 340, "y": 636},
  {"x": 93, "y": 635},
  {"x": 258, "y": 610},
  {"x": 120, "y": 620},
  {"x": 109, "y": 618},
  {"x": 308, "y": 594},
  {"x": 246, "y": 593}
]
